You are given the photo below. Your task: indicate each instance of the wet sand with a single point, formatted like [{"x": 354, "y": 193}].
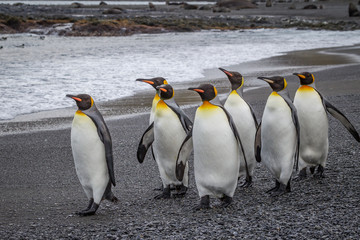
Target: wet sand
[{"x": 40, "y": 191}]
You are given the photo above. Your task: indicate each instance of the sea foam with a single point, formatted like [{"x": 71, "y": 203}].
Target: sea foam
[{"x": 37, "y": 74}]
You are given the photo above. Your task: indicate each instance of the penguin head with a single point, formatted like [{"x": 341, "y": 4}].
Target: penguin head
[
  {"x": 277, "y": 83},
  {"x": 83, "y": 101},
  {"x": 206, "y": 91},
  {"x": 155, "y": 82},
  {"x": 165, "y": 91},
  {"x": 235, "y": 78},
  {"x": 306, "y": 78}
]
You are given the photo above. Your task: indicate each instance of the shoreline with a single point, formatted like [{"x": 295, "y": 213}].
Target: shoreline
[
  {"x": 140, "y": 102},
  {"x": 125, "y": 20}
]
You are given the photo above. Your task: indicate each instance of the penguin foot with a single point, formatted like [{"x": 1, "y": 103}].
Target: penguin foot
[
  {"x": 281, "y": 190},
  {"x": 312, "y": 170},
  {"x": 165, "y": 194},
  {"x": 320, "y": 172},
  {"x": 111, "y": 197},
  {"x": 204, "y": 203},
  {"x": 226, "y": 201},
  {"x": 247, "y": 183},
  {"x": 302, "y": 175},
  {"x": 181, "y": 191},
  {"x": 277, "y": 186},
  {"x": 88, "y": 212}
]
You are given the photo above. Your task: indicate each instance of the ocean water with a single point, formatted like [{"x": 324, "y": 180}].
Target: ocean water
[{"x": 37, "y": 74}]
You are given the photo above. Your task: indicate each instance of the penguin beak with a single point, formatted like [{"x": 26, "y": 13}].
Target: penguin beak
[
  {"x": 299, "y": 75},
  {"x": 226, "y": 72},
  {"x": 74, "y": 97},
  {"x": 196, "y": 90},
  {"x": 163, "y": 89},
  {"x": 145, "y": 81},
  {"x": 268, "y": 80}
]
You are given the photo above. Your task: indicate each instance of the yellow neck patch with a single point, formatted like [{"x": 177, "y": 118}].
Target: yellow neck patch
[
  {"x": 207, "y": 105},
  {"x": 275, "y": 94},
  {"x": 242, "y": 82},
  {"x": 285, "y": 84},
  {"x": 305, "y": 88},
  {"x": 79, "y": 112},
  {"x": 161, "y": 105},
  {"x": 156, "y": 97},
  {"x": 234, "y": 92}
]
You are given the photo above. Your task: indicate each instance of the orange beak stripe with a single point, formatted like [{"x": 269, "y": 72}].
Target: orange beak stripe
[
  {"x": 77, "y": 99},
  {"x": 149, "y": 82},
  {"x": 228, "y": 73},
  {"x": 163, "y": 89},
  {"x": 301, "y": 76},
  {"x": 199, "y": 90}
]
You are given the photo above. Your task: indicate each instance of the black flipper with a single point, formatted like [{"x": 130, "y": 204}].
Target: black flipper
[
  {"x": 234, "y": 129},
  {"x": 254, "y": 116},
  {"x": 105, "y": 137},
  {"x": 184, "y": 119},
  {"x": 145, "y": 142},
  {"x": 339, "y": 116},
  {"x": 285, "y": 96},
  {"x": 183, "y": 156},
  {"x": 258, "y": 143}
]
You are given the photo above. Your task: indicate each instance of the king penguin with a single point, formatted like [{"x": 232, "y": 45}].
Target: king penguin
[
  {"x": 217, "y": 150},
  {"x": 92, "y": 152},
  {"x": 245, "y": 121},
  {"x": 277, "y": 137},
  {"x": 314, "y": 126},
  {"x": 166, "y": 134},
  {"x": 155, "y": 82}
]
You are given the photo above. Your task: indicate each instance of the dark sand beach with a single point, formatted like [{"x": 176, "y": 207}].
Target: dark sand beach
[{"x": 40, "y": 191}]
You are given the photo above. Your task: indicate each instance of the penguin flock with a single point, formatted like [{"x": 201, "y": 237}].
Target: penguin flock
[{"x": 226, "y": 140}]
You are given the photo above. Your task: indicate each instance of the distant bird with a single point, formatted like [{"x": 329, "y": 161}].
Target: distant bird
[
  {"x": 92, "y": 151},
  {"x": 314, "y": 126},
  {"x": 245, "y": 121},
  {"x": 21, "y": 46},
  {"x": 166, "y": 134},
  {"x": 154, "y": 82},
  {"x": 277, "y": 138},
  {"x": 3, "y": 38},
  {"x": 217, "y": 150}
]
